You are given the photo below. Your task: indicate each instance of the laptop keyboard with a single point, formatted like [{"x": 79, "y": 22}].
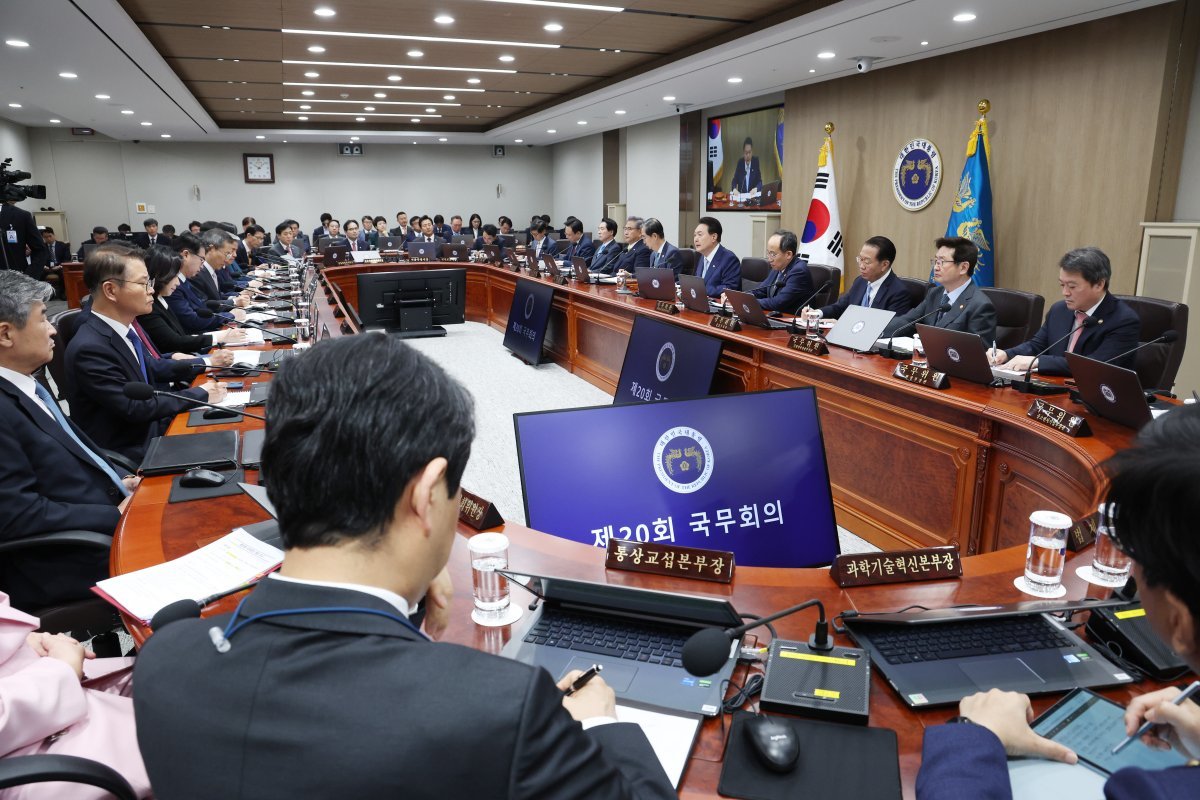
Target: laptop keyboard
[
  {"x": 619, "y": 638},
  {"x": 915, "y": 643}
]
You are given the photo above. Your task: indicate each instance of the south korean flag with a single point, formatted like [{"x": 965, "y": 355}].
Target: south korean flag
[{"x": 821, "y": 243}]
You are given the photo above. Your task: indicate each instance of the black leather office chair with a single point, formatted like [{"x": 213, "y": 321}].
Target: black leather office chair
[
  {"x": 1018, "y": 315},
  {"x": 916, "y": 289},
  {"x": 83, "y": 618},
  {"x": 754, "y": 272},
  {"x": 820, "y": 275},
  {"x": 687, "y": 257},
  {"x": 24, "y": 770},
  {"x": 65, "y": 324},
  {"x": 1158, "y": 364}
]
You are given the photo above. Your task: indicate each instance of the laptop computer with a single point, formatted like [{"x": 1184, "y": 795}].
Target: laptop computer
[
  {"x": 518, "y": 237},
  {"x": 939, "y": 657},
  {"x": 959, "y": 354},
  {"x": 636, "y": 634},
  {"x": 655, "y": 283},
  {"x": 391, "y": 242},
  {"x": 462, "y": 238},
  {"x": 859, "y": 327},
  {"x": 507, "y": 241},
  {"x": 1112, "y": 392},
  {"x": 428, "y": 250},
  {"x": 335, "y": 255},
  {"x": 455, "y": 251},
  {"x": 580, "y": 267},
  {"x": 694, "y": 293},
  {"x": 770, "y": 193},
  {"x": 748, "y": 310},
  {"x": 551, "y": 266},
  {"x": 492, "y": 253}
]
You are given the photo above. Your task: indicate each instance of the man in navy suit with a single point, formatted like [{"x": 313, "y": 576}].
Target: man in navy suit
[
  {"x": 487, "y": 235},
  {"x": 608, "y": 249},
  {"x": 354, "y": 237},
  {"x": 969, "y": 309},
  {"x": 747, "y": 176},
  {"x": 1084, "y": 275},
  {"x": 636, "y": 254},
  {"x": 60, "y": 252},
  {"x": 188, "y": 302},
  {"x": 578, "y": 247},
  {"x": 105, "y": 354},
  {"x": 323, "y": 230},
  {"x": 876, "y": 285},
  {"x": 715, "y": 263},
  {"x": 539, "y": 242},
  {"x": 151, "y": 237},
  {"x": 52, "y": 476},
  {"x": 1151, "y": 511},
  {"x": 402, "y": 227},
  {"x": 789, "y": 281},
  {"x": 663, "y": 254}
]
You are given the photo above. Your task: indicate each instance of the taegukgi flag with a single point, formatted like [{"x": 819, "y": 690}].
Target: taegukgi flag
[{"x": 822, "y": 243}]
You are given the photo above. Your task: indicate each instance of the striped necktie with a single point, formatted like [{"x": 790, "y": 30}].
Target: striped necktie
[{"x": 1080, "y": 316}]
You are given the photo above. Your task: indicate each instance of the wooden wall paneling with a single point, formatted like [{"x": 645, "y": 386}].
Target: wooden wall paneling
[
  {"x": 477, "y": 297},
  {"x": 1179, "y": 70},
  {"x": 692, "y": 140},
  {"x": 600, "y": 338},
  {"x": 501, "y": 289},
  {"x": 738, "y": 369},
  {"x": 611, "y": 172},
  {"x": 558, "y": 340}
]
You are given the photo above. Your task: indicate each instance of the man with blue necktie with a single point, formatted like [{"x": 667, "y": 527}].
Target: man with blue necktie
[
  {"x": 747, "y": 175},
  {"x": 578, "y": 247},
  {"x": 969, "y": 308},
  {"x": 789, "y": 282},
  {"x": 608, "y": 249},
  {"x": 663, "y": 254},
  {"x": 716, "y": 264},
  {"x": 876, "y": 286}
]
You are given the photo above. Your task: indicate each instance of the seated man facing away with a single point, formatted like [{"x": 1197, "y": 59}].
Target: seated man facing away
[
  {"x": 955, "y": 302},
  {"x": 1152, "y": 507},
  {"x": 790, "y": 282},
  {"x": 876, "y": 285},
  {"x": 335, "y": 692},
  {"x": 1084, "y": 275},
  {"x": 715, "y": 263}
]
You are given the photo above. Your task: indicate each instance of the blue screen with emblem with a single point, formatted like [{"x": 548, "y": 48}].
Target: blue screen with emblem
[
  {"x": 527, "y": 319},
  {"x": 740, "y": 472},
  {"x": 666, "y": 362}
]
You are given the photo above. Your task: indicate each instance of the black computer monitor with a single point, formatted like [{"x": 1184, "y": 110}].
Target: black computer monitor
[
  {"x": 528, "y": 318},
  {"x": 455, "y": 251},
  {"x": 412, "y": 304},
  {"x": 666, "y": 362},
  {"x": 506, "y": 241}
]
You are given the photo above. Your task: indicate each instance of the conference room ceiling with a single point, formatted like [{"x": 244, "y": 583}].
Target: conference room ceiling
[{"x": 387, "y": 63}]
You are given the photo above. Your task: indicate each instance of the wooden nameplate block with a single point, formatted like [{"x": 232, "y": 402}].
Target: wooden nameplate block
[
  {"x": 922, "y": 376},
  {"x": 665, "y": 559},
  {"x": 666, "y": 307},
  {"x": 561, "y": 280},
  {"x": 1058, "y": 418},
  {"x": 802, "y": 343},
  {"x": 897, "y": 566},
  {"x": 1083, "y": 532},
  {"x": 725, "y": 323},
  {"x": 478, "y": 513}
]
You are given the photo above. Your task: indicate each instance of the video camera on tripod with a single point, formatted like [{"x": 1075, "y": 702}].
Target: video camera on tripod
[{"x": 10, "y": 191}]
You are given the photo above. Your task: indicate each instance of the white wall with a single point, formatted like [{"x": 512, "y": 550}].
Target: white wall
[
  {"x": 14, "y": 143},
  {"x": 99, "y": 181},
  {"x": 579, "y": 181},
  {"x": 652, "y": 174}
]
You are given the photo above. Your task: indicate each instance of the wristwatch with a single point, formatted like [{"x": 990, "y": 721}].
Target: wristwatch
[{"x": 960, "y": 719}]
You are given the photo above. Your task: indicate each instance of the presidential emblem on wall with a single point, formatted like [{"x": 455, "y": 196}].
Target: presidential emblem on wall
[{"x": 917, "y": 174}]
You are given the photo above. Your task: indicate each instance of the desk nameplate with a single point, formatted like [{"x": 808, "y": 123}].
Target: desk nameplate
[
  {"x": 478, "y": 513},
  {"x": 805, "y": 344},
  {"x": 1058, "y": 418},
  {"x": 922, "y": 376},
  {"x": 1082, "y": 532},
  {"x": 725, "y": 323},
  {"x": 663, "y": 559},
  {"x": 896, "y": 566},
  {"x": 666, "y": 307}
]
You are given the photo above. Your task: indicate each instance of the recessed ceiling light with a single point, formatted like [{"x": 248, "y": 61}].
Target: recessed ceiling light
[
  {"x": 394, "y": 78},
  {"x": 414, "y": 120},
  {"x": 308, "y": 93},
  {"x": 224, "y": 27},
  {"x": 826, "y": 55},
  {"x": 415, "y": 54},
  {"x": 67, "y": 75},
  {"x": 14, "y": 105},
  {"x": 507, "y": 59},
  {"x": 285, "y": 141},
  {"x": 260, "y": 136},
  {"x": 616, "y": 51},
  {"x": 553, "y": 27},
  {"x": 127, "y": 111},
  {"x": 302, "y": 119},
  {"x": 147, "y": 124},
  {"x": 733, "y": 80},
  {"x": 431, "y": 111},
  {"x": 354, "y": 138},
  {"x": 368, "y": 108},
  {"x": 164, "y": 136},
  {"x": 312, "y": 74},
  {"x": 444, "y": 19},
  {"x": 443, "y": 139},
  {"x": 670, "y": 98},
  {"x": 472, "y": 80},
  {"x": 360, "y": 119},
  {"x": 324, "y": 11},
  {"x": 316, "y": 48},
  {"x": 620, "y": 111},
  {"x": 103, "y": 97},
  {"x": 414, "y": 142},
  {"x": 16, "y": 43},
  {"x": 557, "y": 4},
  {"x": 924, "y": 44},
  {"x": 551, "y": 130},
  {"x": 812, "y": 71},
  {"x": 380, "y": 95},
  {"x": 966, "y": 16},
  {"x": 55, "y": 121},
  {"x": 518, "y": 141},
  {"x": 581, "y": 122},
  {"x": 447, "y": 97},
  {"x": 305, "y": 107}
]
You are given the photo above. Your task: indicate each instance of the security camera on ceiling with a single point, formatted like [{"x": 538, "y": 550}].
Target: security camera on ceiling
[{"x": 864, "y": 63}]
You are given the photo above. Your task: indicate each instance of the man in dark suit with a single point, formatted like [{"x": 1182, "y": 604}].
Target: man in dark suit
[
  {"x": 52, "y": 476},
  {"x": 876, "y": 285},
  {"x": 213, "y": 280},
  {"x": 663, "y": 254},
  {"x": 539, "y": 242},
  {"x": 355, "y": 240},
  {"x": 188, "y": 302},
  {"x": 1084, "y": 275},
  {"x": 105, "y": 354},
  {"x": 428, "y": 232},
  {"x": 368, "y": 542},
  {"x": 716, "y": 264},
  {"x": 636, "y": 254},
  {"x": 151, "y": 236},
  {"x": 789, "y": 281},
  {"x": 747, "y": 176},
  {"x": 608, "y": 249},
  {"x": 285, "y": 245},
  {"x": 1150, "y": 512},
  {"x": 248, "y": 245},
  {"x": 59, "y": 253},
  {"x": 99, "y": 236},
  {"x": 402, "y": 227},
  {"x": 20, "y": 232},
  {"x": 969, "y": 308},
  {"x": 322, "y": 231},
  {"x": 488, "y": 236},
  {"x": 578, "y": 247}
]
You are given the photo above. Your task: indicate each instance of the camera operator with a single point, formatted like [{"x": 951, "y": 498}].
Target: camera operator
[{"x": 17, "y": 227}]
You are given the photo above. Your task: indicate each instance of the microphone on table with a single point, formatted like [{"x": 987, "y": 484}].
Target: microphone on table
[
  {"x": 188, "y": 608},
  {"x": 218, "y": 306},
  {"x": 276, "y": 334},
  {"x": 1167, "y": 337},
  {"x": 944, "y": 308},
  {"x": 1030, "y": 386},
  {"x": 793, "y": 328},
  {"x": 708, "y": 648},
  {"x": 144, "y": 391},
  {"x": 241, "y": 369}
]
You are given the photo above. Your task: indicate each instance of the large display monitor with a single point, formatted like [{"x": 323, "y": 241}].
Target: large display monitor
[
  {"x": 527, "y": 319},
  {"x": 666, "y": 362},
  {"x": 412, "y": 304},
  {"x": 741, "y": 472},
  {"x": 745, "y": 161}
]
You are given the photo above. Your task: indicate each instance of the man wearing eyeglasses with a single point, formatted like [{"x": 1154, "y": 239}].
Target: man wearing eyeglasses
[
  {"x": 106, "y": 353},
  {"x": 1151, "y": 513},
  {"x": 636, "y": 254},
  {"x": 789, "y": 281},
  {"x": 966, "y": 307}
]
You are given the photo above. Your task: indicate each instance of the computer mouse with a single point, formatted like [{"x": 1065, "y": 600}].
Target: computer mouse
[
  {"x": 774, "y": 741},
  {"x": 198, "y": 478},
  {"x": 219, "y": 413}
]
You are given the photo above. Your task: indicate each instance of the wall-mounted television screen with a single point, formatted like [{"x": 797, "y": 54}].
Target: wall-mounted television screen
[{"x": 745, "y": 161}]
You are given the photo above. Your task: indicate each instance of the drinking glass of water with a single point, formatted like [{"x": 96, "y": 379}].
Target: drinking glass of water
[
  {"x": 918, "y": 352},
  {"x": 489, "y": 589},
  {"x": 1047, "y": 553},
  {"x": 1109, "y": 564}
]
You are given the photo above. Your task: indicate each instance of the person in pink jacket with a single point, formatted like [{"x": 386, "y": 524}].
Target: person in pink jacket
[{"x": 57, "y": 698}]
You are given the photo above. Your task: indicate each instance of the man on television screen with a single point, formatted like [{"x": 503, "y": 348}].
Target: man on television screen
[{"x": 747, "y": 176}]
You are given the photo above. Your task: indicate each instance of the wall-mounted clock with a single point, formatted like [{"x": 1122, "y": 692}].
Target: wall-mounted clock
[{"x": 258, "y": 167}]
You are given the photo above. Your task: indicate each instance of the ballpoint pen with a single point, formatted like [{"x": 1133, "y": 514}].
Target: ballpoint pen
[
  {"x": 993, "y": 351},
  {"x": 1147, "y": 725},
  {"x": 583, "y": 679}
]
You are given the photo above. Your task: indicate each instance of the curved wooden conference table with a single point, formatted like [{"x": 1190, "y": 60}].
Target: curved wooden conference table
[{"x": 154, "y": 530}]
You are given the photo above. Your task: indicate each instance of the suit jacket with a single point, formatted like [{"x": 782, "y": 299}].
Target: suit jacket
[
  {"x": 972, "y": 312},
  {"x": 168, "y": 334},
  {"x": 232, "y": 724},
  {"x": 892, "y": 296},
  {"x": 27, "y": 234},
  {"x": 739, "y": 176},
  {"x": 372, "y": 238},
  {"x": 667, "y": 257},
  {"x": 583, "y": 250},
  {"x": 1116, "y": 333},
  {"x": 725, "y": 271},
  {"x": 784, "y": 291},
  {"x": 318, "y": 233},
  {"x": 295, "y": 251},
  {"x": 633, "y": 258},
  {"x": 548, "y": 246},
  {"x": 968, "y": 761},
  {"x": 606, "y": 256},
  {"x": 60, "y": 253},
  {"x": 408, "y": 233},
  {"x": 43, "y": 697},
  {"x": 98, "y": 365},
  {"x": 142, "y": 239},
  {"x": 361, "y": 242},
  {"x": 188, "y": 306},
  {"x": 242, "y": 256}
]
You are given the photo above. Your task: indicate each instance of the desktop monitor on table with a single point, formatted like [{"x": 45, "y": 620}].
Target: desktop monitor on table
[
  {"x": 666, "y": 362},
  {"x": 412, "y": 304},
  {"x": 528, "y": 319}
]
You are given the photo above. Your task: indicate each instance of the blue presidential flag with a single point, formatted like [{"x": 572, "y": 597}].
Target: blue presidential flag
[
  {"x": 971, "y": 215},
  {"x": 779, "y": 142}
]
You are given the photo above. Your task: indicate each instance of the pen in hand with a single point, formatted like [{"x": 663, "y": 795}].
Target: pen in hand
[
  {"x": 1147, "y": 725},
  {"x": 583, "y": 679}
]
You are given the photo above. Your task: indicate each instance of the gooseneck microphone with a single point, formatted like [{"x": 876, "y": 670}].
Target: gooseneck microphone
[
  {"x": 214, "y": 305},
  {"x": 188, "y": 608},
  {"x": 1167, "y": 337},
  {"x": 793, "y": 328},
  {"x": 708, "y": 648},
  {"x": 276, "y": 334},
  {"x": 1030, "y": 386},
  {"x": 944, "y": 308},
  {"x": 144, "y": 391}
]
